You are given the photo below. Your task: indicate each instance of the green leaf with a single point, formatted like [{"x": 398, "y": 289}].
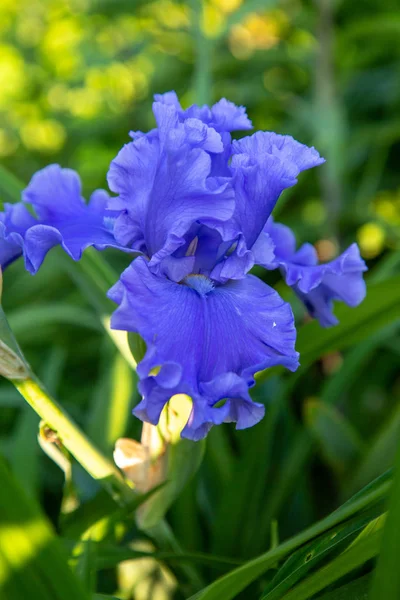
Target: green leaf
[
  {"x": 25, "y": 322},
  {"x": 386, "y": 581},
  {"x": 97, "y": 518},
  {"x": 110, "y": 556},
  {"x": 355, "y": 590},
  {"x": 380, "y": 308},
  {"x": 380, "y": 454},
  {"x": 350, "y": 559},
  {"x": 303, "y": 444},
  {"x": 228, "y": 586},
  {"x": 324, "y": 548},
  {"x": 10, "y": 186},
  {"x": 32, "y": 560},
  {"x": 340, "y": 443},
  {"x": 24, "y": 458},
  {"x": 243, "y": 511},
  {"x": 113, "y": 396},
  {"x": 85, "y": 564}
]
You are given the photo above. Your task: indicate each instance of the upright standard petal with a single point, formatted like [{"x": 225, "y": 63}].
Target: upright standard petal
[
  {"x": 203, "y": 340},
  {"x": 164, "y": 187},
  {"x": 263, "y": 165},
  {"x": 63, "y": 218},
  {"x": 317, "y": 285},
  {"x": 224, "y": 116}
]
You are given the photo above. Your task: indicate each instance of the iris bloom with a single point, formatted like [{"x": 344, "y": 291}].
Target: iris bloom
[{"x": 196, "y": 206}]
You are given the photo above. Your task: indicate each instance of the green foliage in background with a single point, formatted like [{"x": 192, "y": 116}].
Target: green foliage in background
[{"x": 296, "y": 507}]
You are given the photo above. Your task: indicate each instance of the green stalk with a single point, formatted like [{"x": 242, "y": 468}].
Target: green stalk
[{"x": 74, "y": 440}]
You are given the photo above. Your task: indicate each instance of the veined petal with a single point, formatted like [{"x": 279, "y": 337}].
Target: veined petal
[
  {"x": 208, "y": 332},
  {"x": 295, "y": 156},
  {"x": 63, "y": 218},
  {"x": 263, "y": 165},
  {"x": 164, "y": 187}
]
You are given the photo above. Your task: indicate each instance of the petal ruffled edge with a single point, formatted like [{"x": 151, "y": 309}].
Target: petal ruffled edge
[{"x": 161, "y": 376}]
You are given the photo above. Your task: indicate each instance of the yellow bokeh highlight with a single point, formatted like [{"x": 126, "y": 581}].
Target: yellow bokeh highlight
[
  {"x": 84, "y": 103},
  {"x": 24, "y": 111},
  {"x": 21, "y": 544},
  {"x": 173, "y": 16},
  {"x": 60, "y": 47},
  {"x": 118, "y": 84},
  {"x": 228, "y": 6},
  {"x": 256, "y": 32},
  {"x": 12, "y": 74},
  {"x": 387, "y": 210},
  {"x": 62, "y": 35},
  {"x": 371, "y": 239},
  {"x": 47, "y": 136},
  {"x": 213, "y": 21},
  {"x": 9, "y": 7},
  {"x": 387, "y": 207}
]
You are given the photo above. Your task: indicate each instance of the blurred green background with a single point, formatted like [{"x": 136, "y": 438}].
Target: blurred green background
[{"x": 75, "y": 77}]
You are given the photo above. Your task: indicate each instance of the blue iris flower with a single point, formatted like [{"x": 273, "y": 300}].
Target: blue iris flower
[
  {"x": 196, "y": 206},
  {"x": 317, "y": 285},
  {"x": 62, "y": 217}
]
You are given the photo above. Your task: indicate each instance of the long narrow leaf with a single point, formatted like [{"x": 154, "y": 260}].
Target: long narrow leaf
[
  {"x": 230, "y": 585},
  {"x": 32, "y": 560},
  {"x": 386, "y": 583}
]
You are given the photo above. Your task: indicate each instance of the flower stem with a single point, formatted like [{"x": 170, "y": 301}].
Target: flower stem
[{"x": 74, "y": 440}]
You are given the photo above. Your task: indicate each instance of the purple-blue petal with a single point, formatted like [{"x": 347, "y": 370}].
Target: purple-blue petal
[
  {"x": 224, "y": 116},
  {"x": 263, "y": 165},
  {"x": 317, "y": 285},
  {"x": 62, "y": 217},
  {"x": 209, "y": 331},
  {"x": 164, "y": 186}
]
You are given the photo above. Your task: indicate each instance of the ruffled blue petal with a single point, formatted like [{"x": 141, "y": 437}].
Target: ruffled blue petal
[
  {"x": 224, "y": 116},
  {"x": 317, "y": 285},
  {"x": 14, "y": 222},
  {"x": 164, "y": 186},
  {"x": 215, "y": 337},
  {"x": 263, "y": 165},
  {"x": 63, "y": 218}
]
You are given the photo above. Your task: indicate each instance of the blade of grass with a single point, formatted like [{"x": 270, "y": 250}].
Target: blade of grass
[
  {"x": 386, "y": 580},
  {"x": 355, "y": 590},
  {"x": 233, "y": 583},
  {"x": 308, "y": 558},
  {"x": 350, "y": 559}
]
